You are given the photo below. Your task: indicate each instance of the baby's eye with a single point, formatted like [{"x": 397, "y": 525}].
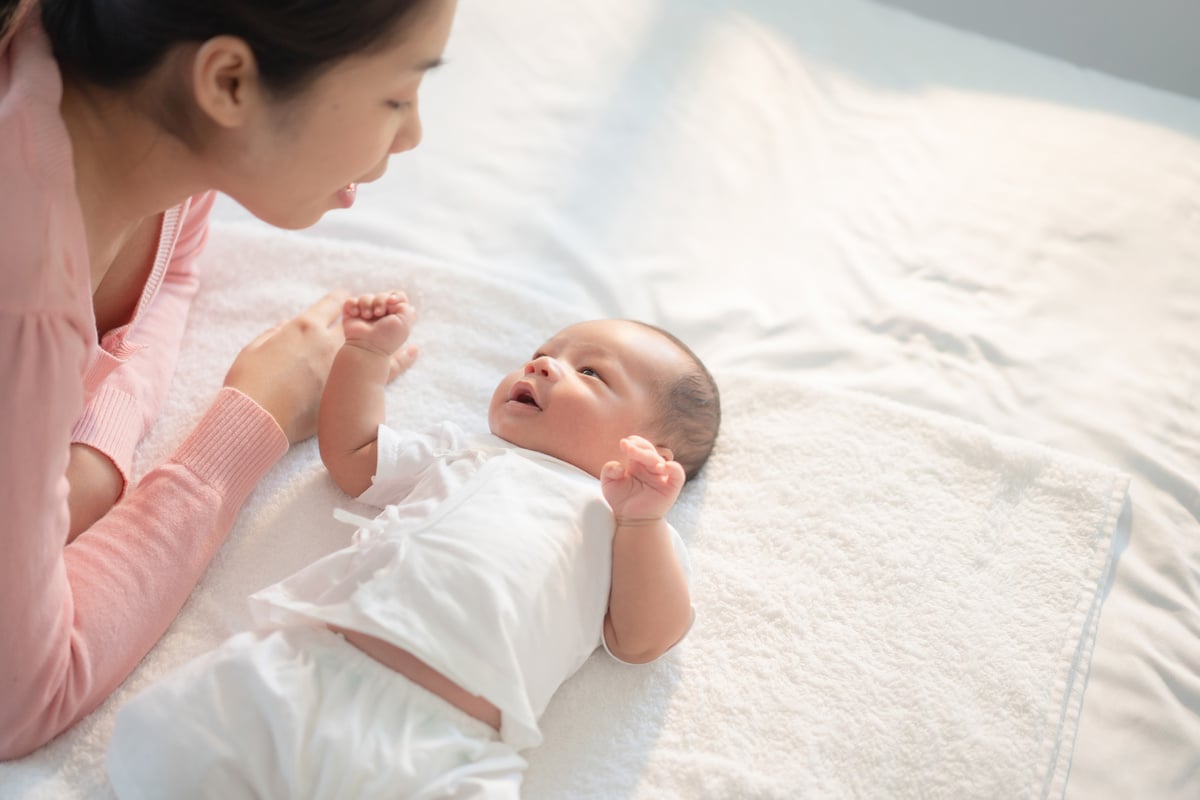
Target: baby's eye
[
  {"x": 589, "y": 372},
  {"x": 398, "y": 105}
]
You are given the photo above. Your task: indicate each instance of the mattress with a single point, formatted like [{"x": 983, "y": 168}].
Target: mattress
[{"x": 825, "y": 200}]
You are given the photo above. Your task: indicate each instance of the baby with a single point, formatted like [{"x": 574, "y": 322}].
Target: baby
[{"x": 417, "y": 661}]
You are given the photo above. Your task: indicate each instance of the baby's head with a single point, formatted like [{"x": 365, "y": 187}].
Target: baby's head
[{"x": 596, "y": 382}]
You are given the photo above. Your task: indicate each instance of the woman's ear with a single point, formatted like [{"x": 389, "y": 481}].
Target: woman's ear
[{"x": 225, "y": 80}]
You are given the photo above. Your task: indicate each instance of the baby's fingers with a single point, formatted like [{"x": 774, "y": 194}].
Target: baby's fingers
[
  {"x": 376, "y": 305},
  {"x": 387, "y": 303},
  {"x": 652, "y": 469},
  {"x": 638, "y": 450},
  {"x": 612, "y": 471}
]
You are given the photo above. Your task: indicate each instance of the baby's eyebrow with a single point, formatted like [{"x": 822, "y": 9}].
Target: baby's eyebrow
[
  {"x": 575, "y": 349},
  {"x": 591, "y": 351},
  {"x": 551, "y": 346}
]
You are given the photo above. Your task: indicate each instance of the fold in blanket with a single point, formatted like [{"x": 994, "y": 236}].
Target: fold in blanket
[{"x": 889, "y": 603}]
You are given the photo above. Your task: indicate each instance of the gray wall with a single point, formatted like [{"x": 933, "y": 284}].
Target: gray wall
[{"x": 1155, "y": 42}]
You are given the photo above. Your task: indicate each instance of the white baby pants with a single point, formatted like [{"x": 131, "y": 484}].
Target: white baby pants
[{"x": 300, "y": 713}]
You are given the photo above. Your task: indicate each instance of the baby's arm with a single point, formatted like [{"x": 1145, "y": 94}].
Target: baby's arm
[
  {"x": 649, "y": 606},
  {"x": 353, "y": 404}
]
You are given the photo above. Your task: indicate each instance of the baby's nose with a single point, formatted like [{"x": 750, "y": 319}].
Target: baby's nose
[{"x": 545, "y": 366}]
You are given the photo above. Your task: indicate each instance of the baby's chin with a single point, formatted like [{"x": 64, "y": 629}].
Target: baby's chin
[{"x": 512, "y": 437}]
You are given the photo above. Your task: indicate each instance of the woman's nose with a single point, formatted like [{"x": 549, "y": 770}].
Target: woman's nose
[
  {"x": 545, "y": 366},
  {"x": 410, "y": 134}
]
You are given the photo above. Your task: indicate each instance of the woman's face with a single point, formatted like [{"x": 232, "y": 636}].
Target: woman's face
[{"x": 302, "y": 157}]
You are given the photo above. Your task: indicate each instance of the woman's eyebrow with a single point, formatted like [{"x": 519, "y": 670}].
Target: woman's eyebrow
[{"x": 432, "y": 63}]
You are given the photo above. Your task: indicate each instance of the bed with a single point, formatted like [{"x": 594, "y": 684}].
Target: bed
[{"x": 949, "y": 542}]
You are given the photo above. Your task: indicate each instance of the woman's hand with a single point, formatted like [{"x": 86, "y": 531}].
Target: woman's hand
[{"x": 284, "y": 370}]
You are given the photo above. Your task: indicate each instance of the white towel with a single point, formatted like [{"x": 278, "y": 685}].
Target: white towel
[{"x": 890, "y": 603}]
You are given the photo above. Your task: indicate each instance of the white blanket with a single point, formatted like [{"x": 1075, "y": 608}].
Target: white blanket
[
  {"x": 890, "y": 602},
  {"x": 833, "y": 191}
]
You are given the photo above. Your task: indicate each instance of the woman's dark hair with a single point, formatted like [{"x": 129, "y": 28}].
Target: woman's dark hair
[
  {"x": 689, "y": 410},
  {"x": 114, "y": 42},
  {"x": 7, "y": 9}
]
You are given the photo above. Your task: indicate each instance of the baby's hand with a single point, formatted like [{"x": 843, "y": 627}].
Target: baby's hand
[
  {"x": 378, "y": 321},
  {"x": 641, "y": 490}
]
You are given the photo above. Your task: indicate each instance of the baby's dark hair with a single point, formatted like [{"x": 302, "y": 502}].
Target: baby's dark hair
[{"x": 689, "y": 409}]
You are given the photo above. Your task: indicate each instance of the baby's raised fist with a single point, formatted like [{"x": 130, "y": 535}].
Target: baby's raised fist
[{"x": 379, "y": 321}]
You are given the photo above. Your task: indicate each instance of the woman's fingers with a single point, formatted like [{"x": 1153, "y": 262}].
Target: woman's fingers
[
  {"x": 285, "y": 368},
  {"x": 328, "y": 309},
  {"x": 402, "y": 359}
]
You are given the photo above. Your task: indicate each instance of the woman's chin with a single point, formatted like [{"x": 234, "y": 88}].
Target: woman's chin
[{"x": 293, "y": 219}]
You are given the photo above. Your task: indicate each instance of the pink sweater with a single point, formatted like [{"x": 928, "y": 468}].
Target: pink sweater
[{"x": 75, "y": 620}]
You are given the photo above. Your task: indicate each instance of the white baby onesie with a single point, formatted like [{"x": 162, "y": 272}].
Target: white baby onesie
[{"x": 490, "y": 562}]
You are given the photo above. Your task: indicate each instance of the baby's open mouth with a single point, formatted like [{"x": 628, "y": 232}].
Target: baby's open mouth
[{"x": 523, "y": 395}]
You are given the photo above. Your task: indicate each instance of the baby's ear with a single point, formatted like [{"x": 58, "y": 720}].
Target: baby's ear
[{"x": 665, "y": 452}]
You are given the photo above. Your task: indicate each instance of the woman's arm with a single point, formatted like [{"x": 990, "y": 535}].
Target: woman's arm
[
  {"x": 74, "y": 621},
  {"x": 95, "y": 486},
  {"x": 119, "y": 413},
  {"x": 649, "y": 606}
]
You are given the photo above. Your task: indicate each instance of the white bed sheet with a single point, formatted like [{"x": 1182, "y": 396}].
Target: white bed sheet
[
  {"x": 846, "y": 192},
  {"x": 841, "y": 193}
]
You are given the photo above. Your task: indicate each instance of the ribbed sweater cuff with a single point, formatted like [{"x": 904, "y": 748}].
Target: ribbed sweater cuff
[
  {"x": 111, "y": 423},
  {"x": 234, "y": 445}
]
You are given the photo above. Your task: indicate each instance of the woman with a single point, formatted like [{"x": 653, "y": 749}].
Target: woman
[{"x": 117, "y": 120}]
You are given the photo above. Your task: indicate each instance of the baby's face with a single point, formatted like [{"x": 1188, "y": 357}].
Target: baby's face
[{"x": 584, "y": 390}]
